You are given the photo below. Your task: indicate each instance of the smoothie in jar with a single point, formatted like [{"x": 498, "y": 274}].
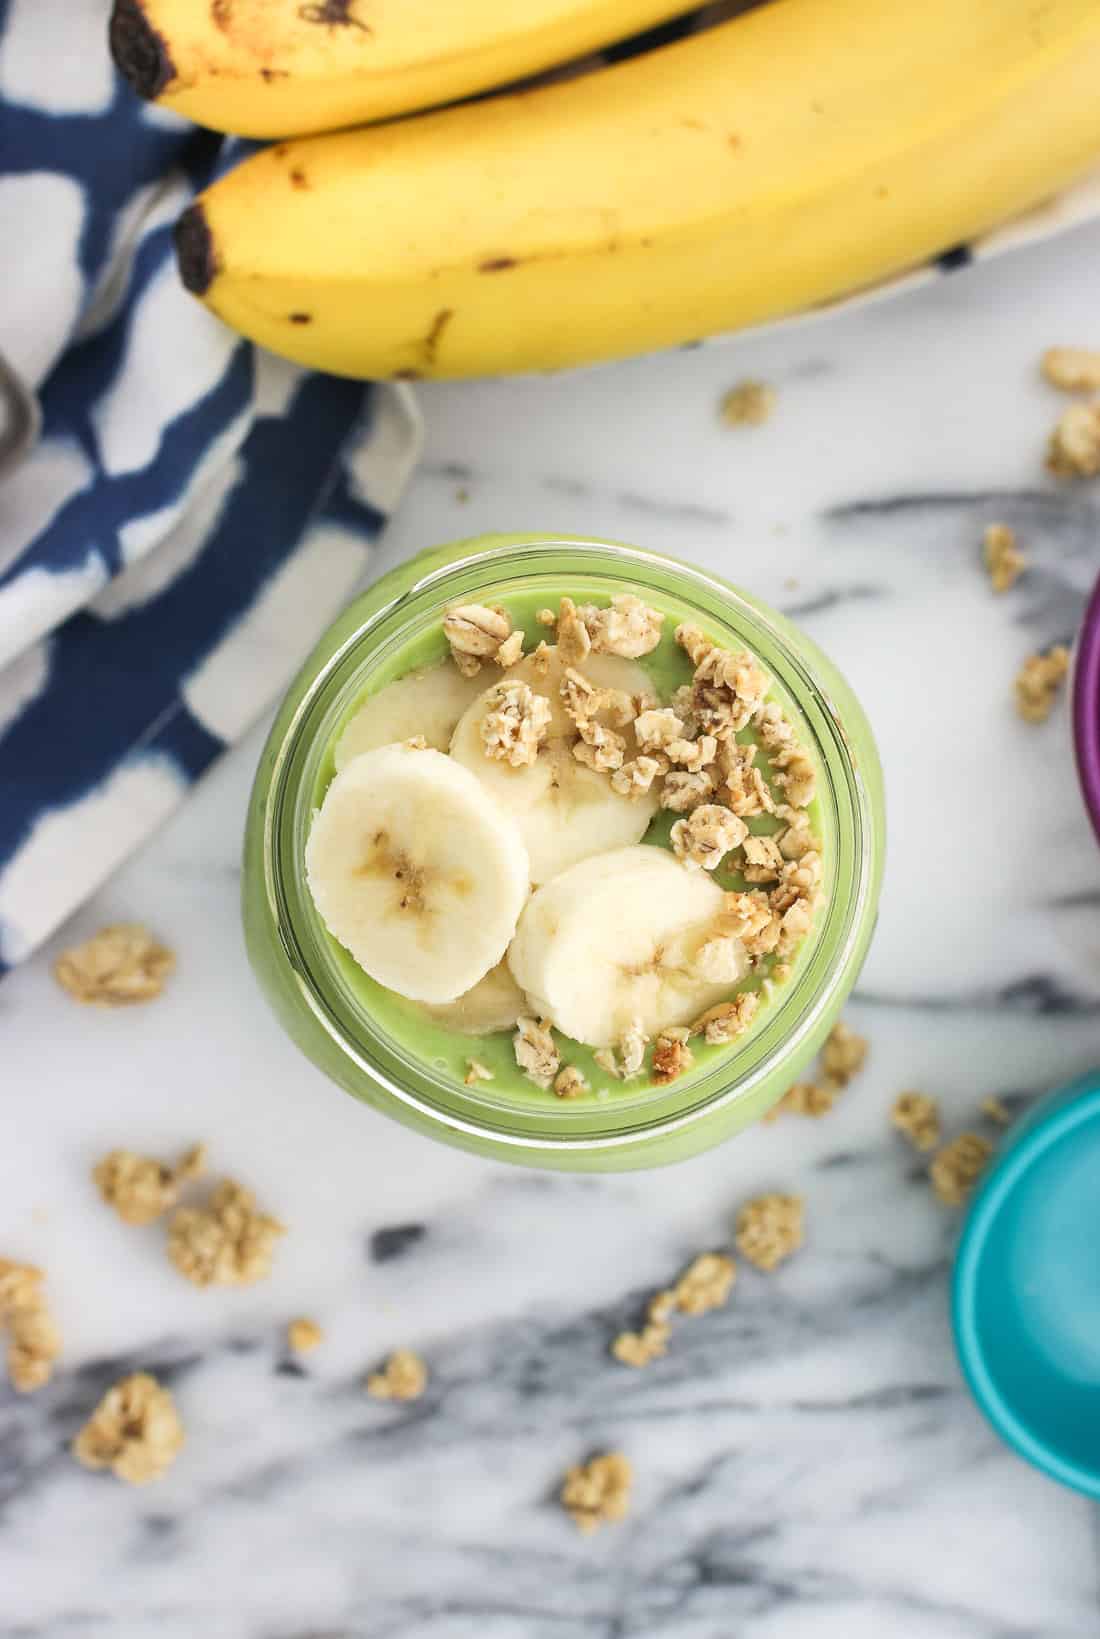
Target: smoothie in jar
[{"x": 574, "y": 866}]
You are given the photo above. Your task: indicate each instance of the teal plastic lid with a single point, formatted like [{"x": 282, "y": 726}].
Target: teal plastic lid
[{"x": 1026, "y": 1291}]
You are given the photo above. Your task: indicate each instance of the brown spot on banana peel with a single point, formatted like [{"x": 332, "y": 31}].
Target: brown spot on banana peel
[
  {"x": 298, "y": 179},
  {"x": 196, "y": 256},
  {"x": 140, "y": 53},
  {"x": 333, "y": 13},
  {"x": 435, "y": 334},
  {"x": 301, "y": 318},
  {"x": 497, "y": 264},
  {"x": 220, "y": 12}
]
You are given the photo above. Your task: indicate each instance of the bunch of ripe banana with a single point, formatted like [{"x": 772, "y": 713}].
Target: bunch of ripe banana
[{"x": 768, "y": 163}]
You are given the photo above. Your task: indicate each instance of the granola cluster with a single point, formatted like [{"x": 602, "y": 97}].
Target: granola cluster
[
  {"x": 704, "y": 839},
  {"x": 570, "y": 1082},
  {"x": 917, "y": 1117},
  {"x": 705, "y": 1284},
  {"x": 1003, "y": 559},
  {"x": 639, "y": 1348},
  {"x": 769, "y": 1229},
  {"x": 227, "y": 1242},
  {"x": 135, "y": 1431},
  {"x": 141, "y": 1189},
  {"x": 1038, "y": 681},
  {"x": 516, "y": 724},
  {"x": 672, "y": 1056},
  {"x": 749, "y": 404},
  {"x": 120, "y": 966},
  {"x": 34, "y": 1341},
  {"x": 1072, "y": 369},
  {"x": 304, "y": 1335},
  {"x": 724, "y": 1022},
  {"x": 598, "y": 1491},
  {"x": 476, "y": 634},
  {"x": 403, "y": 1377},
  {"x": 958, "y": 1166},
  {"x": 536, "y": 1051},
  {"x": 844, "y": 1053},
  {"x": 628, "y": 627},
  {"x": 1074, "y": 448},
  {"x": 842, "y": 1057}
]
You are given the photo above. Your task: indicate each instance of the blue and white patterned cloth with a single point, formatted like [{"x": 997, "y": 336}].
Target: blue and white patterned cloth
[{"x": 192, "y": 512}]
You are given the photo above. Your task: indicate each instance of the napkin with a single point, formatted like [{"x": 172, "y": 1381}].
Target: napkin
[{"x": 180, "y": 514}]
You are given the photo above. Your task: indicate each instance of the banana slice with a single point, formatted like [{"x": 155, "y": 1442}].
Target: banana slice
[
  {"x": 495, "y": 1003},
  {"x": 614, "y": 943},
  {"x": 565, "y": 811},
  {"x": 427, "y": 702},
  {"x": 416, "y": 871}
]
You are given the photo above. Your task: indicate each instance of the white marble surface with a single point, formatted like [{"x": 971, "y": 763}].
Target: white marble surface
[{"x": 809, "y": 1465}]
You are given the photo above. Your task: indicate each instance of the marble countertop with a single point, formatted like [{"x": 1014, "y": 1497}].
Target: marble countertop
[{"x": 809, "y": 1465}]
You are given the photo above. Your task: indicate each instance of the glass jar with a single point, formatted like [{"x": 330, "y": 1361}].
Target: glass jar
[{"x": 292, "y": 955}]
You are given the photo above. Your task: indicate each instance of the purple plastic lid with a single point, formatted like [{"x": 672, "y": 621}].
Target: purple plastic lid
[{"x": 1086, "y": 708}]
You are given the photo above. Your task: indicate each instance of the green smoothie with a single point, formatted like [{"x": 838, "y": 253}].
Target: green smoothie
[
  {"x": 387, "y": 1052},
  {"x": 667, "y": 667}
]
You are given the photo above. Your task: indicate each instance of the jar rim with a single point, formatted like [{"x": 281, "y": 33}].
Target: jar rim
[{"x": 715, "y": 1088}]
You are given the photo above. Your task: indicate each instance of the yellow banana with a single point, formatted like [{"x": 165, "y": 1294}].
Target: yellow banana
[
  {"x": 801, "y": 151},
  {"x": 273, "y": 68}
]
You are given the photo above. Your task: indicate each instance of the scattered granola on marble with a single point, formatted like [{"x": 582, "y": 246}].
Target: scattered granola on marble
[
  {"x": 1072, "y": 369},
  {"x": 227, "y": 1242},
  {"x": 842, "y": 1057},
  {"x": 994, "y": 1110},
  {"x": 917, "y": 1117},
  {"x": 120, "y": 966},
  {"x": 34, "y": 1341},
  {"x": 705, "y": 1284},
  {"x": 139, "y": 1188},
  {"x": 135, "y": 1431},
  {"x": 958, "y": 1166},
  {"x": 598, "y": 1492},
  {"x": 1074, "y": 448},
  {"x": 304, "y": 1335},
  {"x": 749, "y": 404},
  {"x": 641, "y": 1348},
  {"x": 1004, "y": 561},
  {"x": 1038, "y": 681},
  {"x": 403, "y": 1377},
  {"x": 809, "y": 1098},
  {"x": 844, "y": 1053},
  {"x": 769, "y": 1229}
]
